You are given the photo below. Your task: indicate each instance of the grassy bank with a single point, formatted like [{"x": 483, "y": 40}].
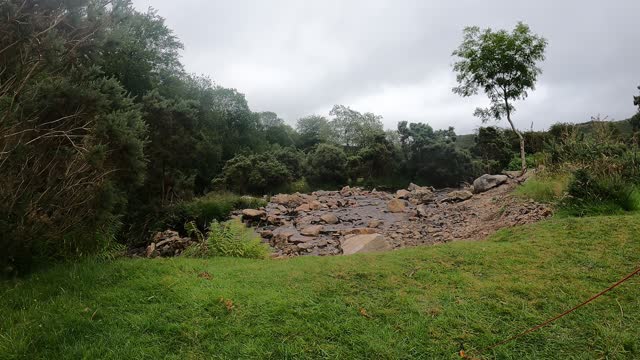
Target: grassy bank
[{"x": 413, "y": 303}]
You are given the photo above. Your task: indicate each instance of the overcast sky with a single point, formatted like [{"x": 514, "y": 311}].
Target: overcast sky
[{"x": 393, "y": 58}]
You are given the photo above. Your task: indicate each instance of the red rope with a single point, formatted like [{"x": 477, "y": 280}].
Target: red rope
[{"x": 637, "y": 271}]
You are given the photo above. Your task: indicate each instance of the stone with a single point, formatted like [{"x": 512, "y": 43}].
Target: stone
[
  {"x": 150, "y": 250},
  {"x": 422, "y": 194},
  {"x": 458, "y": 195},
  {"x": 253, "y": 214},
  {"x": 364, "y": 244},
  {"x": 313, "y": 230},
  {"x": 422, "y": 210},
  {"x": 303, "y": 208},
  {"x": 402, "y": 194},
  {"x": 289, "y": 200},
  {"x": 267, "y": 234},
  {"x": 315, "y": 205},
  {"x": 396, "y": 206},
  {"x": 486, "y": 182},
  {"x": 281, "y": 237},
  {"x": 412, "y": 187},
  {"x": 359, "y": 231},
  {"x": 329, "y": 218},
  {"x": 374, "y": 223}
]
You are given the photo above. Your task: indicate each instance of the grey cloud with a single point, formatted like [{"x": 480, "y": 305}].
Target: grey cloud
[{"x": 300, "y": 57}]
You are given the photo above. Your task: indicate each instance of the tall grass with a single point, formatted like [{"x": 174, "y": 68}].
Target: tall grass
[{"x": 545, "y": 188}]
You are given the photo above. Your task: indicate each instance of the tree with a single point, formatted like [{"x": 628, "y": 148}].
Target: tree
[
  {"x": 327, "y": 165},
  {"x": 504, "y": 66},
  {"x": 493, "y": 148},
  {"x": 312, "y": 130},
  {"x": 353, "y": 128},
  {"x": 635, "y": 119}
]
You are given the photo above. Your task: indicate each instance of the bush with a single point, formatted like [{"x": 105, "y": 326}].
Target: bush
[
  {"x": 533, "y": 161},
  {"x": 591, "y": 195},
  {"x": 254, "y": 174},
  {"x": 231, "y": 238},
  {"x": 213, "y": 206}
]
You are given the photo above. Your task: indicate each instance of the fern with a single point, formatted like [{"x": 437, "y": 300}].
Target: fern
[{"x": 231, "y": 238}]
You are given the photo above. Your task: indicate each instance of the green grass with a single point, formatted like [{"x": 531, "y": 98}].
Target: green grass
[
  {"x": 421, "y": 302},
  {"x": 546, "y": 189}
]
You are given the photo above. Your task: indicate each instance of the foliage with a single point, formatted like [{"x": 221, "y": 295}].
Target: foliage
[
  {"x": 545, "y": 188},
  {"x": 351, "y": 128},
  {"x": 493, "y": 148},
  {"x": 503, "y": 65},
  {"x": 202, "y": 210},
  {"x": 431, "y": 157},
  {"x": 313, "y": 130},
  {"x": 591, "y": 195},
  {"x": 502, "y": 285},
  {"x": 254, "y": 174},
  {"x": 72, "y": 143},
  {"x": 327, "y": 165},
  {"x": 231, "y": 238}
]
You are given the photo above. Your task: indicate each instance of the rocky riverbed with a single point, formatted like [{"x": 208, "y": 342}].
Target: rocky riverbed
[{"x": 355, "y": 220}]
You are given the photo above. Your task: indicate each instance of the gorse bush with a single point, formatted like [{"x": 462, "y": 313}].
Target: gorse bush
[{"x": 231, "y": 238}]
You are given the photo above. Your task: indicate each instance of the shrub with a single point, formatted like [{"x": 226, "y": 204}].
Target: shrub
[
  {"x": 213, "y": 206},
  {"x": 254, "y": 174},
  {"x": 592, "y": 195},
  {"x": 231, "y": 238}
]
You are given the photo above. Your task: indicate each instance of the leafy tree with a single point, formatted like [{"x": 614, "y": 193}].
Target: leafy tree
[
  {"x": 254, "y": 174},
  {"x": 431, "y": 157},
  {"x": 276, "y": 131},
  {"x": 503, "y": 65},
  {"x": 313, "y": 130},
  {"x": 353, "y": 128},
  {"x": 493, "y": 148},
  {"x": 635, "y": 119},
  {"x": 327, "y": 165}
]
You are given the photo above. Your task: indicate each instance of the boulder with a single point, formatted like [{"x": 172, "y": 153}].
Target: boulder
[
  {"x": 364, "y": 243},
  {"x": 313, "y": 230},
  {"x": 395, "y": 205},
  {"x": 360, "y": 231},
  {"x": 458, "y": 195},
  {"x": 151, "y": 250},
  {"x": 402, "y": 194},
  {"x": 253, "y": 214},
  {"x": 288, "y": 200},
  {"x": 422, "y": 194},
  {"x": 374, "y": 223},
  {"x": 329, "y": 218},
  {"x": 303, "y": 208},
  {"x": 486, "y": 182},
  {"x": 422, "y": 210}
]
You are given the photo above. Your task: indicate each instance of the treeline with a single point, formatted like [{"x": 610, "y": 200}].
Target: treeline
[{"x": 102, "y": 129}]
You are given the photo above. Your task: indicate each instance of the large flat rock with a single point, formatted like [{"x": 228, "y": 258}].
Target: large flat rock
[{"x": 364, "y": 244}]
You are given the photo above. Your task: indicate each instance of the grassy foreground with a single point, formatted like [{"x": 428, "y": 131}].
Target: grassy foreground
[{"x": 413, "y": 303}]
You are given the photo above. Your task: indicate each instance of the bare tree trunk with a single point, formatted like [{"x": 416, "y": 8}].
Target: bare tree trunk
[{"x": 523, "y": 159}]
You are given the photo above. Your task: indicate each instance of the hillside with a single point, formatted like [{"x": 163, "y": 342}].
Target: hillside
[
  {"x": 467, "y": 141},
  {"x": 421, "y": 302}
]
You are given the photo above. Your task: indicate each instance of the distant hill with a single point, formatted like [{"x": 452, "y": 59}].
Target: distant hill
[{"x": 467, "y": 141}]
